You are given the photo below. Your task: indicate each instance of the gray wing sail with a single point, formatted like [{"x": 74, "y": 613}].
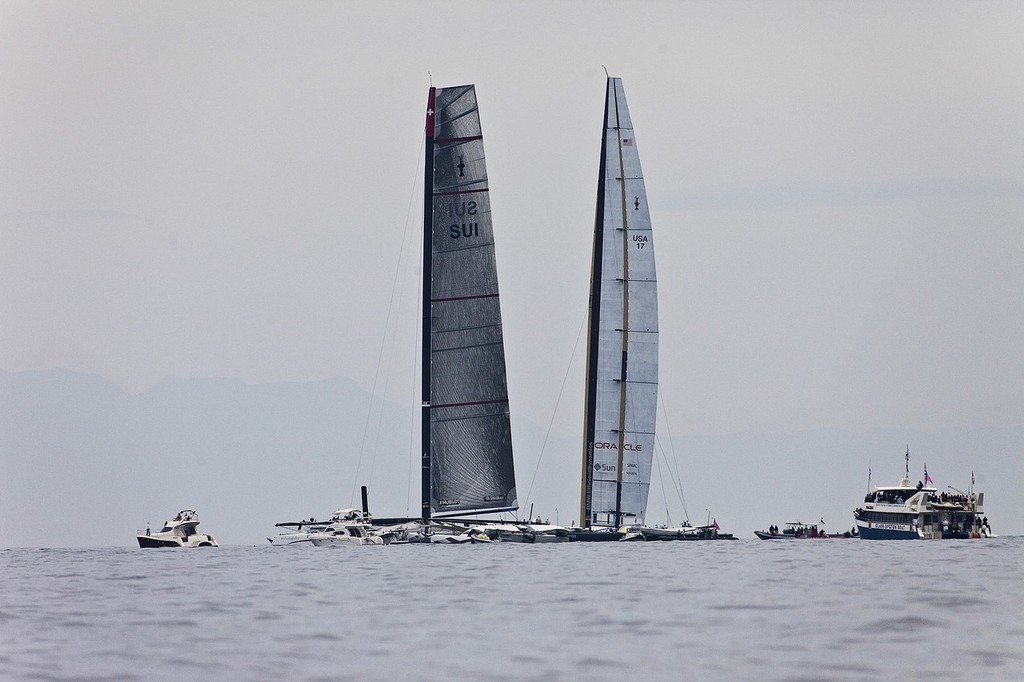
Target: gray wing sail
[{"x": 470, "y": 433}]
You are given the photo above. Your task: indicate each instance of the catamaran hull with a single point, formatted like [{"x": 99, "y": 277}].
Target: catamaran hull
[
  {"x": 596, "y": 536},
  {"x": 289, "y": 540},
  {"x": 346, "y": 540}
]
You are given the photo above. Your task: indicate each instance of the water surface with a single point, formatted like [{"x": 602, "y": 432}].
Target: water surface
[{"x": 801, "y": 610}]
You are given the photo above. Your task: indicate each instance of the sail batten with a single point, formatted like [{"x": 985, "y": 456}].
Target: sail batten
[
  {"x": 467, "y": 436},
  {"x": 622, "y": 348}
]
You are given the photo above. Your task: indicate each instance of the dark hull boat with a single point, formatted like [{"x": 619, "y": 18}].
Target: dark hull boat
[{"x": 922, "y": 512}]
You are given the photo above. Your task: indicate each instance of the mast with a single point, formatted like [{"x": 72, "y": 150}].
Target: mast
[
  {"x": 625, "y": 321},
  {"x": 428, "y": 223}
]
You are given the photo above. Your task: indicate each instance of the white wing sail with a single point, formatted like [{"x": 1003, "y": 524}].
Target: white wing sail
[{"x": 622, "y": 366}]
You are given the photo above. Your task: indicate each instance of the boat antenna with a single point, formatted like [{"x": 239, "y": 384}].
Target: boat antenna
[
  {"x": 430, "y": 79},
  {"x": 605, "y": 71}
]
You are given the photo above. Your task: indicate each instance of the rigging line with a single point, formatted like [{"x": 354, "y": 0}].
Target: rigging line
[
  {"x": 676, "y": 488},
  {"x": 657, "y": 463},
  {"x": 384, "y": 335},
  {"x": 672, "y": 448},
  {"x": 558, "y": 400},
  {"x": 413, "y": 458},
  {"x": 413, "y": 455}
]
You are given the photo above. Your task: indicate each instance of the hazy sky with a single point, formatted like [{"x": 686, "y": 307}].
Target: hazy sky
[{"x": 220, "y": 189}]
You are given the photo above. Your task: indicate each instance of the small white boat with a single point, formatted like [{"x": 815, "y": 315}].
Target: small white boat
[
  {"x": 683, "y": 532},
  {"x": 178, "y": 532},
  {"x": 543, "y": 533},
  {"x": 338, "y": 535},
  {"x": 300, "y": 532},
  {"x": 350, "y": 527},
  {"x": 537, "y": 532}
]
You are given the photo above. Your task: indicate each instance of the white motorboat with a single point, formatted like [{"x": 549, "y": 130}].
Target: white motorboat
[
  {"x": 350, "y": 527},
  {"x": 543, "y": 533},
  {"x": 178, "y": 532},
  {"x": 301, "y": 531},
  {"x": 519, "y": 532}
]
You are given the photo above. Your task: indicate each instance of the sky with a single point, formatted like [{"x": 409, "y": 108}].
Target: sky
[{"x": 231, "y": 190}]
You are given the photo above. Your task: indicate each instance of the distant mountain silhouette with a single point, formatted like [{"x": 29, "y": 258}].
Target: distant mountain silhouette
[{"x": 84, "y": 463}]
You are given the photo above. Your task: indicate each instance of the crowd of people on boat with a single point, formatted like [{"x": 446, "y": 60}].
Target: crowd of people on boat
[
  {"x": 962, "y": 500},
  {"x": 899, "y": 497},
  {"x": 798, "y": 531},
  {"x": 886, "y": 496}
]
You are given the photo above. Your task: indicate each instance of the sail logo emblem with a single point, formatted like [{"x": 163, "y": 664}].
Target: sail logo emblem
[
  {"x": 449, "y": 503},
  {"x": 464, "y": 230},
  {"x": 607, "y": 445},
  {"x": 607, "y": 468}
]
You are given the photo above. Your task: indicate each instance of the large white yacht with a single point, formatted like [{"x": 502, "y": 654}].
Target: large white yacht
[
  {"x": 921, "y": 512},
  {"x": 178, "y": 532}
]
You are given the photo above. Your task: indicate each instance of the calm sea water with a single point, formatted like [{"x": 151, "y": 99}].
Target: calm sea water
[{"x": 743, "y": 610}]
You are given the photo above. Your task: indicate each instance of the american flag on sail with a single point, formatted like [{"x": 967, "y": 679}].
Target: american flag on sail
[{"x": 627, "y": 142}]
